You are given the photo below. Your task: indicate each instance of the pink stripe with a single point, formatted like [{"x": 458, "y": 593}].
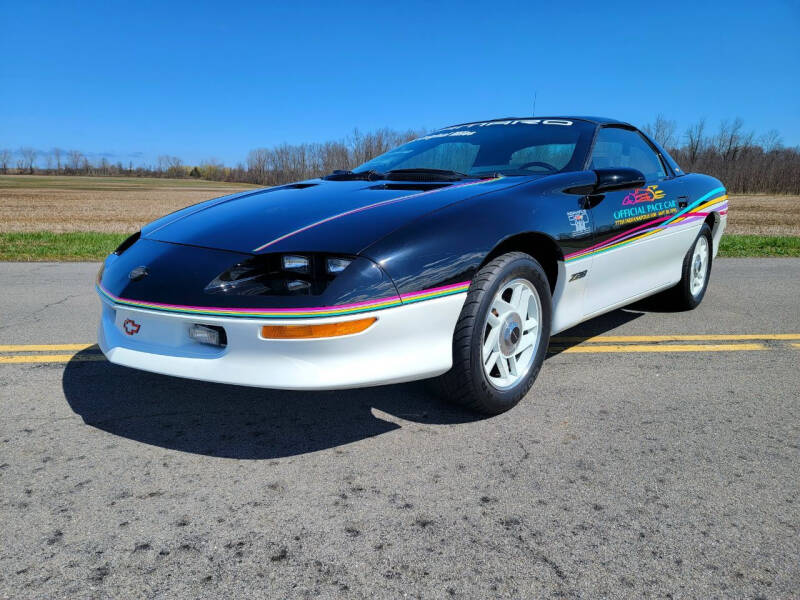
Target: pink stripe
[
  {"x": 621, "y": 235},
  {"x": 434, "y": 290},
  {"x": 363, "y": 208},
  {"x": 290, "y": 310},
  {"x": 632, "y": 232},
  {"x": 257, "y": 310}
]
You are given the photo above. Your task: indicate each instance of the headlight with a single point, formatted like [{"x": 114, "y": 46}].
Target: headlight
[
  {"x": 295, "y": 263},
  {"x": 279, "y": 275},
  {"x": 337, "y": 265}
]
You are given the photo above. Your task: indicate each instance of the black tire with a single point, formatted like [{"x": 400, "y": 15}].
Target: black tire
[
  {"x": 680, "y": 297},
  {"x": 466, "y": 383}
]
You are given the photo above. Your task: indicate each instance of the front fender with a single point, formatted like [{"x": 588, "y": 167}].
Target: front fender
[{"x": 449, "y": 245}]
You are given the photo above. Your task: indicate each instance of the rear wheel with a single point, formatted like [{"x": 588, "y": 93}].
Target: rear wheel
[
  {"x": 691, "y": 289},
  {"x": 501, "y": 336}
]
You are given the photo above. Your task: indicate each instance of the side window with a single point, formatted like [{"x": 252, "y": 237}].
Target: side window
[
  {"x": 556, "y": 155},
  {"x": 617, "y": 147}
]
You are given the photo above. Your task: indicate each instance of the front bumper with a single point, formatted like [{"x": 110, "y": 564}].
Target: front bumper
[{"x": 408, "y": 342}]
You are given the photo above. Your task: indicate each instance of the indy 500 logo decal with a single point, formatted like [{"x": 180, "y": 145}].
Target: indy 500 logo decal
[{"x": 579, "y": 219}]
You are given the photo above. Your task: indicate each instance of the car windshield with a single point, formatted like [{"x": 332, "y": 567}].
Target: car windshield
[{"x": 512, "y": 147}]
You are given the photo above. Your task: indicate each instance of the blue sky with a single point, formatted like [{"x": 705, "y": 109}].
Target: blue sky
[{"x": 210, "y": 79}]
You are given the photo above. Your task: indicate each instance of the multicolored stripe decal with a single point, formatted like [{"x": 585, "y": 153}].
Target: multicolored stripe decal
[
  {"x": 696, "y": 211},
  {"x": 292, "y": 313},
  {"x": 368, "y": 207}
]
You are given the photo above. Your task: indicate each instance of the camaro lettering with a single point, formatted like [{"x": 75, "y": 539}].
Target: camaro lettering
[{"x": 562, "y": 122}]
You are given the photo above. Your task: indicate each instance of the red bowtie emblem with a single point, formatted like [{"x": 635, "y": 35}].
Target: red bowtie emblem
[{"x": 131, "y": 327}]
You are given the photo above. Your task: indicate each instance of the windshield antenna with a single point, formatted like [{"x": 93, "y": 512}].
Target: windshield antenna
[{"x": 533, "y": 114}]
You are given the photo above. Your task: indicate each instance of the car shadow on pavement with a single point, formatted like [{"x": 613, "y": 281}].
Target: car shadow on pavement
[
  {"x": 240, "y": 422},
  {"x": 253, "y": 423},
  {"x": 597, "y": 326}
]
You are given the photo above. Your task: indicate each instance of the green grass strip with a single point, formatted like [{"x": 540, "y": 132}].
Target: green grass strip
[
  {"x": 92, "y": 246},
  {"x": 45, "y": 246},
  {"x": 759, "y": 246}
]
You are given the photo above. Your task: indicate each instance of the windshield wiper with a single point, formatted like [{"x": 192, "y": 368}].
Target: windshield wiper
[
  {"x": 339, "y": 175},
  {"x": 421, "y": 174}
]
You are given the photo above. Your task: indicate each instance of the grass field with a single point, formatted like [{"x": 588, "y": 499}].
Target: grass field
[
  {"x": 108, "y": 204},
  {"x": 85, "y": 218},
  {"x": 47, "y": 246},
  {"x": 92, "y": 245}
]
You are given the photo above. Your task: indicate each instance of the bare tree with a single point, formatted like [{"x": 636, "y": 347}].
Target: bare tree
[
  {"x": 28, "y": 158},
  {"x": 257, "y": 165},
  {"x": 771, "y": 141},
  {"x": 731, "y": 138},
  {"x": 5, "y": 158},
  {"x": 695, "y": 140},
  {"x": 57, "y": 153},
  {"x": 175, "y": 167},
  {"x": 74, "y": 160},
  {"x": 662, "y": 131}
]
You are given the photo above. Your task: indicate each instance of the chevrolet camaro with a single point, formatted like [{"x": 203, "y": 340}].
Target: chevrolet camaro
[{"x": 455, "y": 256}]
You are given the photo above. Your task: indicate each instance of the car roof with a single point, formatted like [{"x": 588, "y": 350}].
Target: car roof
[{"x": 595, "y": 120}]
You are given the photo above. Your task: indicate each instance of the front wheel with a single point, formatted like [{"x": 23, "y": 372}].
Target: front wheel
[
  {"x": 690, "y": 290},
  {"x": 502, "y": 335}
]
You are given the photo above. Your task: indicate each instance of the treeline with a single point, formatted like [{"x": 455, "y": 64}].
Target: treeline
[
  {"x": 743, "y": 161},
  {"x": 263, "y": 166}
]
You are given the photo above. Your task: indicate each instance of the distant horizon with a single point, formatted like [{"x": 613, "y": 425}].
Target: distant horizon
[
  {"x": 139, "y": 160},
  {"x": 186, "y": 79}
]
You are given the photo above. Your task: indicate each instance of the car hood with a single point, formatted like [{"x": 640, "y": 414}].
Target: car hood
[{"x": 312, "y": 216}]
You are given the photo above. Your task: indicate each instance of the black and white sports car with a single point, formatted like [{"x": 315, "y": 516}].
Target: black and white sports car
[{"x": 455, "y": 256}]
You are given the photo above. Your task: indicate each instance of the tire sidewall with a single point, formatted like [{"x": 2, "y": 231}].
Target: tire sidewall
[
  {"x": 520, "y": 268},
  {"x": 695, "y": 300}
]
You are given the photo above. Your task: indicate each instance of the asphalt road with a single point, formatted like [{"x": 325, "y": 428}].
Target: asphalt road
[{"x": 632, "y": 469}]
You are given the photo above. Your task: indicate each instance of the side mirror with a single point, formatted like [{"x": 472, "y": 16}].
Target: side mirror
[{"x": 609, "y": 180}]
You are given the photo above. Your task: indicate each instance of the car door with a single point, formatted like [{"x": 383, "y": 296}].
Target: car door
[{"x": 631, "y": 255}]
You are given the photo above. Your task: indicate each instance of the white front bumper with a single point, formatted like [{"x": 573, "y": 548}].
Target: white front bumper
[{"x": 407, "y": 342}]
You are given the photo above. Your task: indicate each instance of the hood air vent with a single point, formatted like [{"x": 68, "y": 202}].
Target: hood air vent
[
  {"x": 297, "y": 186},
  {"x": 422, "y": 187}
]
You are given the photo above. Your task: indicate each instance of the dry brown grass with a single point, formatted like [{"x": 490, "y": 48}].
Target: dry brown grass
[
  {"x": 121, "y": 205},
  {"x": 110, "y": 205},
  {"x": 764, "y": 215}
]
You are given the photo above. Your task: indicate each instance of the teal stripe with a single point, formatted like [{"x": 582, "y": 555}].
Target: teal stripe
[
  {"x": 694, "y": 204},
  {"x": 665, "y": 223},
  {"x": 448, "y": 293},
  {"x": 398, "y": 302}
]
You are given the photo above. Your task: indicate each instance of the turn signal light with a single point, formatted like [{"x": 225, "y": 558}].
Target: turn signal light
[{"x": 300, "y": 332}]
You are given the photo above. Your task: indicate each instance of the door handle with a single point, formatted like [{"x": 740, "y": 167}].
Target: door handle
[{"x": 683, "y": 201}]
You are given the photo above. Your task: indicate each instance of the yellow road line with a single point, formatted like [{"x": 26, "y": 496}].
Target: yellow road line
[
  {"x": 665, "y": 348},
  {"x": 46, "y": 347},
  {"x": 796, "y": 345},
  {"x": 594, "y": 347},
  {"x": 713, "y": 337},
  {"x": 50, "y": 358}
]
